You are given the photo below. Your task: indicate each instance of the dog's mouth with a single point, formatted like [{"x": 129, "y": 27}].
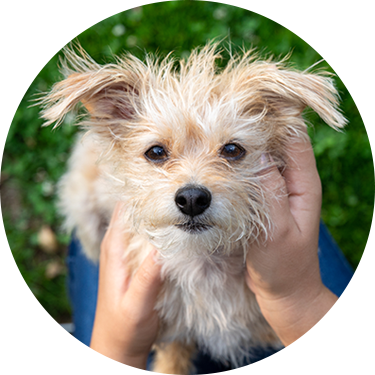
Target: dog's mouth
[{"x": 193, "y": 227}]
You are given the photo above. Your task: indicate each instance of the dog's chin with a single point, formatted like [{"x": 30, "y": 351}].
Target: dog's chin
[{"x": 193, "y": 227}]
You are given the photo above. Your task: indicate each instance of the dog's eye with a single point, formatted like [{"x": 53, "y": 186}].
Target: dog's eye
[
  {"x": 232, "y": 151},
  {"x": 156, "y": 154}
]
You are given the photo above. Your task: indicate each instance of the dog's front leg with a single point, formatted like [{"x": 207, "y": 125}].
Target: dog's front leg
[{"x": 174, "y": 358}]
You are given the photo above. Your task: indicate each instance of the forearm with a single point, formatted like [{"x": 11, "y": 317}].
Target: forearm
[{"x": 320, "y": 318}]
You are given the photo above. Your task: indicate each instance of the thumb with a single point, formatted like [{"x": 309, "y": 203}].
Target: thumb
[
  {"x": 275, "y": 193},
  {"x": 146, "y": 284}
]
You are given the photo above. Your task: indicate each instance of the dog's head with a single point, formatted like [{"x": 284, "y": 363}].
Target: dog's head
[{"x": 186, "y": 139}]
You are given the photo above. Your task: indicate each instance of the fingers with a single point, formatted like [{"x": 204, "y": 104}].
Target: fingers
[
  {"x": 116, "y": 238},
  {"x": 295, "y": 195},
  {"x": 301, "y": 173},
  {"x": 303, "y": 184},
  {"x": 146, "y": 284},
  {"x": 276, "y": 194},
  {"x": 113, "y": 272},
  {"x": 135, "y": 298},
  {"x": 116, "y": 223}
]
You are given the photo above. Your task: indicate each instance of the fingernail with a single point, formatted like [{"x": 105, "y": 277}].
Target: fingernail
[
  {"x": 247, "y": 278},
  {"x": 249, "y": 282},
  {"x": 128, "y": 281},
  {"x": 155, "y": 254},
  {"x": 264, "y": 159}
]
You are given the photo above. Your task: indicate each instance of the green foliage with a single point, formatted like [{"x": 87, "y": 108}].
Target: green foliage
[{"x": 35, "y": 157}]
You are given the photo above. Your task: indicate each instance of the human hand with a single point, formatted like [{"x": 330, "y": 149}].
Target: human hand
[
  {"x": 284, "y": 274},
  {"x": 283, "y": 271},
  {"x": 126, "y": 324}
]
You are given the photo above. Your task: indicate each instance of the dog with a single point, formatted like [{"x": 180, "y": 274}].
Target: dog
[{"x": 181, "y": 142}]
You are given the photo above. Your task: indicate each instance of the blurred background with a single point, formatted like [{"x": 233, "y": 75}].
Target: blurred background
[{"x": 35, "y": 157}]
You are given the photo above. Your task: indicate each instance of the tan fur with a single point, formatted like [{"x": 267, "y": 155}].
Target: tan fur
[
  {"x": 174, "y": 358},
  {"x": 191, "y": 109}
]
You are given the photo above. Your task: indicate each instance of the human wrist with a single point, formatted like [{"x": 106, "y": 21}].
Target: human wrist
[
  {"x": 291, "y": 302},
  {"x": 291, "y": 316}
]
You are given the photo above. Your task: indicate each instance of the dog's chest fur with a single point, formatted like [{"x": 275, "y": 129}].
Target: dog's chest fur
[{"x": 206, "y": 302}]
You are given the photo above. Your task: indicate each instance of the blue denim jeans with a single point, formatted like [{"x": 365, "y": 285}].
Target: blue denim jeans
[{"x": 83, "y": 288}]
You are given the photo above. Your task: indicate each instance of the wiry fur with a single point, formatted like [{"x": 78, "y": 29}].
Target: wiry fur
[{"x": 192, "y": 108}]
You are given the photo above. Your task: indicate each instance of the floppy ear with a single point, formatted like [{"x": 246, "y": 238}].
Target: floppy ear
[
  {"x": 283, "y": 94},
  {"x": 109, "y": 93},
  {"x": 293, "y": 90}
]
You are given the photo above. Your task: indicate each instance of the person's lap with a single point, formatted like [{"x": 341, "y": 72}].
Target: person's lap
[{"x": 83, "y": 287}]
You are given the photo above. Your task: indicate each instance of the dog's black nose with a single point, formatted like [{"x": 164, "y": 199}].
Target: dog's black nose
[{"x": 193, "y": 201}]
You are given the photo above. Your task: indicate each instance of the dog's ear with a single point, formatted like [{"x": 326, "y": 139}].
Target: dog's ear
[
  {"x": 109, "y": 93},
  {"x": 282, "y": 94}
]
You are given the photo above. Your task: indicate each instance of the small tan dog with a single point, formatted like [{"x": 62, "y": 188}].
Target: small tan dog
[{"x": 181, "y": 143}]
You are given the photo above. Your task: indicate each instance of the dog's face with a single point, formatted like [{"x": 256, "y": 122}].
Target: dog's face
[
  {"x": 192, "y": 174},
  {"x": 186, "y": 144}
]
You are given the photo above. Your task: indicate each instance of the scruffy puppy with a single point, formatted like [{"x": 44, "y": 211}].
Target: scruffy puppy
[{"x": 181, "y": 143}]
